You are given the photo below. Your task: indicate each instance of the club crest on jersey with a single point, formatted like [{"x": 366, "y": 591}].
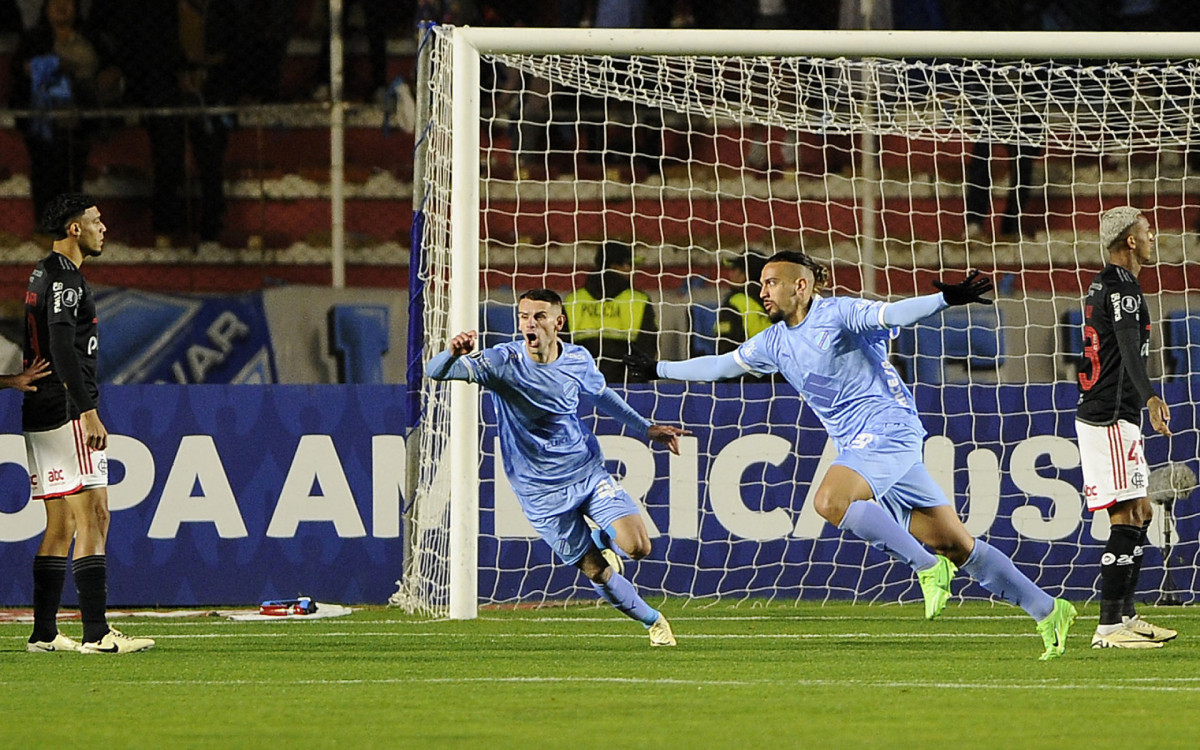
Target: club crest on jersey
[
  {"x": 824, "y": 340},
  {"x": 1130, "y": 304},
  {"x": 1137, "y": 480}
]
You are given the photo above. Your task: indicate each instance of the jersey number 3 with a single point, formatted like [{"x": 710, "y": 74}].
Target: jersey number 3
[{"x": 1091, "y": 350}]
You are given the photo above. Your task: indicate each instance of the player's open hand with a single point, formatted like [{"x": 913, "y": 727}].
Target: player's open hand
[
  {"x": 23, "y": 381},
  {"x": 970, "y": 289},
  {"x": 1160, "y": 415},
  {"x": 668, "y": 435},
  {"x": 464, "y": 343}
]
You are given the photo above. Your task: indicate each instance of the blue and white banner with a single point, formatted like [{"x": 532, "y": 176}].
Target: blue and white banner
[
  {"x": 236, "y": 494},
  {"x": 151, "y": 337}
]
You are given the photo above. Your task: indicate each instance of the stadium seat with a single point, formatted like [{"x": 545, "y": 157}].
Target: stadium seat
[
  {"x": 704, "y": 329},
  {"x": 1070, "y": 337},
  {"x": 497, "y": 323},
  {"x": 971, "y": 337},
  {"x": 1181, "y": 341},
  {"x": 358, "y": 336}
]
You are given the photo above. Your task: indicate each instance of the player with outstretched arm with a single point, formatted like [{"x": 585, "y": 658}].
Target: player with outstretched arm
[
  {"x": 553, "y": 460},
  {"x": 833, "y": 350}
]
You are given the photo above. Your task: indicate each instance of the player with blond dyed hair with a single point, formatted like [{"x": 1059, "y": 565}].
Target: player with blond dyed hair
[{"x": 1114, "y": 386}]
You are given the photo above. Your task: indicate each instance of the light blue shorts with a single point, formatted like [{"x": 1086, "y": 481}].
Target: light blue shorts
[
  {"x": 598, "y": 497},
  {"x": 893, "y": 465}
]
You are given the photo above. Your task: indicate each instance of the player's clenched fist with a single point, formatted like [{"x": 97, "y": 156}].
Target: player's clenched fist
[{"x": 463, "y": 343}]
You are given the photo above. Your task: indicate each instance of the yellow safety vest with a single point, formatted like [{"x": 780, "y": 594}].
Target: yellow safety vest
[
  {"x": 618, "y": 318},
  {"x": 754, "y": 317}
]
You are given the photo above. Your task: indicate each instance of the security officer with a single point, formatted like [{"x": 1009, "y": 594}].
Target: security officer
[
  {"x": 609, "y": 317},
  {"x": 741, "y": 315}
]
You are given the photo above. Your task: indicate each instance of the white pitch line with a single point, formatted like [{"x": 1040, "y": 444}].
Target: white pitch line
[
  {"x": 661, "y": 682},
  {"x": 588, "y": 636}
]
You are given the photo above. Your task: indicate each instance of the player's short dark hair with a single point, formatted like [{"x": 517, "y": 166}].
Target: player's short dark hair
[
  {"x": 820, "y": 273},
  {"x": 543, "y": 295},
  {"x": 62, "y": 210}
]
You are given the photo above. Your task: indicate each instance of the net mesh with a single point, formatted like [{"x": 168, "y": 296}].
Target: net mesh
[{"x": 894, "y": 173}]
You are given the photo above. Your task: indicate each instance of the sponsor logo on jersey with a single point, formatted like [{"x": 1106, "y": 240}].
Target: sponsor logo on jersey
[
  {"x": 1115, "y": 299},
  {"x": 57, "y": 289}
]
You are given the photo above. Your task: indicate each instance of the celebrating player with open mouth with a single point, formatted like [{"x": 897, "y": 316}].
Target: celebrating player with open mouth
[{"x": 551, "y": 458}]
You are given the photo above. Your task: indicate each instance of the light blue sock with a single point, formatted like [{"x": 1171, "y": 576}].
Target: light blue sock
[
  {"x": 874, "y": 525},
  {"x": 606, "y": 538},
  {"x": 620, "y": 593},
  {"x": 996, "y": 573}
]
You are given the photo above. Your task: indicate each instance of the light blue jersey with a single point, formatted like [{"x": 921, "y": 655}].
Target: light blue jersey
[
  {"x": 837, "y": 359},
  {"x": 544, "y": 443},
  {"x": 552, "y": 459}
]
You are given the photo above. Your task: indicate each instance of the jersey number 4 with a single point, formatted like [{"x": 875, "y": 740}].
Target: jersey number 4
[{"x": 1091, "y": 350}]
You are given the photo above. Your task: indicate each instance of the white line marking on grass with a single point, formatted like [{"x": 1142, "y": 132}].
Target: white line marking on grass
[
  {"x": 752, "y": 618},
  {"x": 589, "y": 636},
  {"x": 660, "y": 682}
]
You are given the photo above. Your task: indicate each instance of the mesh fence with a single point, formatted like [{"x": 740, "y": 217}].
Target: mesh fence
[{"x": 203, "y": 127}]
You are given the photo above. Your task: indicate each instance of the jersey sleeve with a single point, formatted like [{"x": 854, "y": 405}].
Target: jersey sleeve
[
  {"x": 756, "y": 354},
  {"x": 62, "y": 313},
  {"x": 481, "y": 367},
  {"x": 1123, "y": 301},
  {"x": 591, "y": 381},
  {"x": 862, "y": 315},
  {"x": 66, "y": 290}
]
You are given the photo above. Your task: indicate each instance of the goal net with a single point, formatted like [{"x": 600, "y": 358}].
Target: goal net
[{"x": 896, "y": 159}]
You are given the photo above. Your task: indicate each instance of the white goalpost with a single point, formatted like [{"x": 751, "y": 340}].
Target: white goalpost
[{"x": 897, "y": 158}]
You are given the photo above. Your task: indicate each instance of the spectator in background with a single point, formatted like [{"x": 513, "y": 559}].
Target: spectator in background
[
  {"x": 57, "y": 66},
  {"x": 608, "y": 317},
  {"x": 980, "y": 171},
  {"x": 376, "y": 22},
  {"x": 268, "y": 25},
  {"x": 176, "y": 54},
  {"x": 741, "y": 315},
  {"x": 979, "y": 181}
]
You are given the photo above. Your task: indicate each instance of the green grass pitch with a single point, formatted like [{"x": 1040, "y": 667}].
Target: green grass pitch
[{"x": 743, "y": 676}]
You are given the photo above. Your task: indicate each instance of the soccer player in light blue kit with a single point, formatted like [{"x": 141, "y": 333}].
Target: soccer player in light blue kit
[
  {"x": 551, "y": 458},
  {"x": 833, "y": 350}
]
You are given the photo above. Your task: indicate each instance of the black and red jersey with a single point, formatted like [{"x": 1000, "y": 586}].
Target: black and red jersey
[
  {"x": 60, "y": 327},
  {"x": 1114, "y": 385}
]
